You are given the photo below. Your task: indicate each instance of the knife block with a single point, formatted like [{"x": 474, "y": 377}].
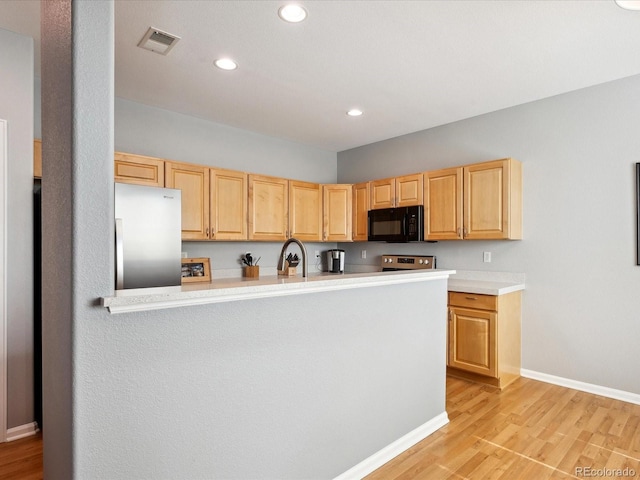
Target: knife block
[
  {"x": 288, "y": 271},
  {"x": 251, "y": 272}
]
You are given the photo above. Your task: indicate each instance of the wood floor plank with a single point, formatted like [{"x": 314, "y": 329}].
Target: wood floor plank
[
  {"x": 21, "y": 459},
  {"x": 529, "y": 431}
]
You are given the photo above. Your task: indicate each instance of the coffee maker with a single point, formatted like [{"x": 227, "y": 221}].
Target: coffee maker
[{"x": 335, "y": 261}]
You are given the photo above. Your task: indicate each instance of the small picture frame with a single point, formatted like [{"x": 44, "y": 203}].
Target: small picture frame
[{"x": 196, "y": 270}]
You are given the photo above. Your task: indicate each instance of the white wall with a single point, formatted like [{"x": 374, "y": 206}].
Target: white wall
[
  {"x": 16, "y": 106},
  {"x": 581, "y": 308}
]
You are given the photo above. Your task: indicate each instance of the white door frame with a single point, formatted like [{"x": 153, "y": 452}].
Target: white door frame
[{"x": 3, "y": 283}]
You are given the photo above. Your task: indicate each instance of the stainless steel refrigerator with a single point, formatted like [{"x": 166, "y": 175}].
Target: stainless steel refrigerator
[{"x": 148, "y": 236}]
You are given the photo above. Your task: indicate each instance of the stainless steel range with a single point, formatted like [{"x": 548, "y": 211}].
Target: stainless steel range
[{"x": 390, "y": 263}]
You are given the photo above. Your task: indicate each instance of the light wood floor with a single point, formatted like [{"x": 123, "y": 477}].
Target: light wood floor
[
  {"x": 21, "y": 459},
  {"x": 529, "y": 431}
]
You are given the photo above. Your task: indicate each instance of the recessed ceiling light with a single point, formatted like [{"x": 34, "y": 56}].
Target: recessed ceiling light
[
  {"x": 629, "y": 4},
  {"x": 354, "y": 112},
  {"x": 225, "y": 64},
  {"x": 292, "y": 13}
]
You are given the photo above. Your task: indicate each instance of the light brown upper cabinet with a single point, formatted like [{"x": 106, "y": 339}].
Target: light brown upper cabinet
[
  {"x": 193, "y": 181},
  {"x": 402, "y": 191},
  {"x": 37, "y": 158},
  {"x": 487, "y": 197},
  {"x": 229, "y": 200},
  {"x": 305, "y": 211},
  {"x": 443, "y": 204},
  {"x": 337, "y": 203},
  {"x": 360, "y": 223},
  {"x": 139, "y": 170},
  {"x": 493, "y": 200},
  {"x": 268, "y": 208}
]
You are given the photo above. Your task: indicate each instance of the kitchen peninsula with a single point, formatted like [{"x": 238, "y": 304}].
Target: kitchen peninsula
[
  {"x": 345, "y": 371},
  {"x": 231, "y": 289}
]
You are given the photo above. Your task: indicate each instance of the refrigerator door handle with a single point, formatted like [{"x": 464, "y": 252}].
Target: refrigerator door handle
[{"x": 119, "y": 255}]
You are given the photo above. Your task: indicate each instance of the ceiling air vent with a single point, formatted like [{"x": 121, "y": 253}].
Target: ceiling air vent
[{"x": 158, "y": 41}]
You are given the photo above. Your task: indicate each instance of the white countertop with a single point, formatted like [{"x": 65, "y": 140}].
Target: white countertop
[
  {"x": 483, "y": 287},
  {"x": 234, "y": 289},
  {"x": 486, "y": 283}
]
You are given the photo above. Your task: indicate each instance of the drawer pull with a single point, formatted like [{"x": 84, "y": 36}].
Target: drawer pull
[{"x": 470, "y": 298}]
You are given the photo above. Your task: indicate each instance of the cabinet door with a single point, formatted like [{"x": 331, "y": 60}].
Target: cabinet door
[
  {"x": 383, "y": 193},
  {"x": 491, "y": 200},
  {"x": 443, "y": 204},
  {"x": 337, "y": 213},
  {"x": 268, "y": 208},
  {"x": 37, "y": 158},
  {"x": 472, "y": 340},
  {"x": 409, "y": 190},
  {"x": 305, "y": 211},
  {"x": 139, "y": 170},
  {"x": 193, "y": 181},
  {"x": 360, "y": 223},
  {"x": 229, "y": 197}
]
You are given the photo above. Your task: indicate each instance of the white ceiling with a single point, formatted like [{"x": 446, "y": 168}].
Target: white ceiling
[{"x": 410, "y": 65}]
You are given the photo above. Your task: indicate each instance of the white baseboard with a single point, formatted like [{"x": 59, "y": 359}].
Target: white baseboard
[
  {"x": 394, "y": 449},
  {"x": 22, "y": 431},
  {"x": 584, "y": 387}
]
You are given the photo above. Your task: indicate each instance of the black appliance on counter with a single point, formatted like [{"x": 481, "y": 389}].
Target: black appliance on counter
[
  {"x": 391, "y": 263},
  {"x": 402, "y": 224}
]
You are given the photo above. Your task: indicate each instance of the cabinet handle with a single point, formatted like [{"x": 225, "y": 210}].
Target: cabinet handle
[
  {"x": 470, "y": 298},
  {"x": 464, "y": 232},
  {"x": 206, "y": 232},
  {"x": 458, "y": 231},
  {"x": 450, "y": 315}
]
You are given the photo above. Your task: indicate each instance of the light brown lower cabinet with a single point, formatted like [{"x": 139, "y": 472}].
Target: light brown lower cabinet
[{"x": 484, "y": 337}]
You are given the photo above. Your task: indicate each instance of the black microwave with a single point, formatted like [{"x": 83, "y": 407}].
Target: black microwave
[{"x": 403, "y": 224}]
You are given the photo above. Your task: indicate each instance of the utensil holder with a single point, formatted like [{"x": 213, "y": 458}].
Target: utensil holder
[{"x": 251, "y": 272}]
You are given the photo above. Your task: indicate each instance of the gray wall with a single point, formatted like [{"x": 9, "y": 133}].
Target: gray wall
[
  {"x": 146, "y": 130},
  {"x": 16, "y": 106},
  {"x": 160, "y": 133},
  {"x": 303, "y": 387},
  {"x": 581, "y": 306},
  {"x": 293, "y": 387}
]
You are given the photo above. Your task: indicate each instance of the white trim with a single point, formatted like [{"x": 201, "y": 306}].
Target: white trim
[
  {"x": 375, "y": 461},
  {"x": 584, "y": 387},
  {"x": 26, "y": 430},
  {"x": 3, "y": 281}
]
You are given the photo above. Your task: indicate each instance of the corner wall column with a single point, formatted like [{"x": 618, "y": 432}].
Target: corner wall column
[{"x": 77, "y": 208}]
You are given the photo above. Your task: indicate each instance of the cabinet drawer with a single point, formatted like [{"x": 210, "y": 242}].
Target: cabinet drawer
[{"x": 473, "y": 300}]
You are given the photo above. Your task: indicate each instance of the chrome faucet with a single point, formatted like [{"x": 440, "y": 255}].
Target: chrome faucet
[{"x": 281, "y": 263}]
